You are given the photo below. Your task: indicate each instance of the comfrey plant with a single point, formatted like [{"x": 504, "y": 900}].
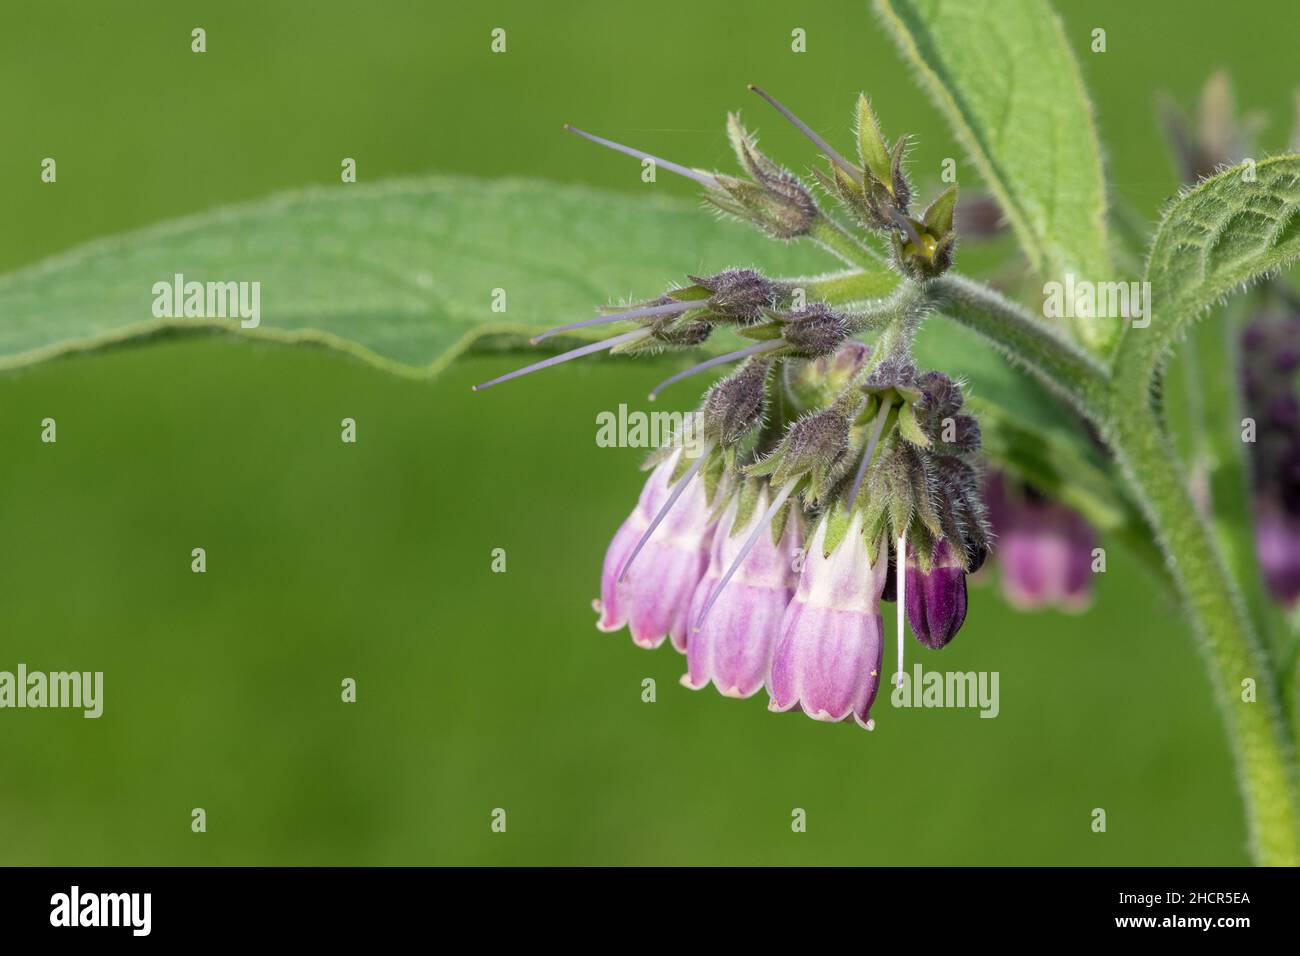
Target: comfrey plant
[
  {"x": 845, "y": 443},
  {"x": 826, "y": 462}
]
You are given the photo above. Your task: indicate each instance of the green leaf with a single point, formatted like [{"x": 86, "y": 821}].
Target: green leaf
[
  {"x": 1007, "y": 81},
  {"x": 400, "y": 274},
  {"x": 1215, "y": 238}
]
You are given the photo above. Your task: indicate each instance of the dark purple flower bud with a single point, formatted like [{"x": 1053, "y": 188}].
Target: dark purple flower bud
[
  {"x": 892, "y": 371},
  {"x": 941, "y": 397},
  {"x": 815, "y": 446},
  {"x": 684, "y": 334},
  {"x": 815, "y": 331},
  {"x": 737, "y": 404},
  {"x": 936, "y": 602},
  {"x": 775, "y": 201},
  {"x": 742, "y": 295}
]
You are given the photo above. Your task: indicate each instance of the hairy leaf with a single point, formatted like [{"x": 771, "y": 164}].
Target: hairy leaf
[
  {"x": 401, "y": 273},
  {"x": 1005, "y": 77},
  {"x": 1215, "y": 238}
]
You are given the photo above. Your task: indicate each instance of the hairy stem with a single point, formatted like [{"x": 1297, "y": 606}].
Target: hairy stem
[
  {"x": 1257, "y": 730},
  {"x": 1117, "y": 402},
  {"x": 1065, "y": 368}
]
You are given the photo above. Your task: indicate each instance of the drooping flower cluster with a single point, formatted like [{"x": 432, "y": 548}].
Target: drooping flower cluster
[
  {"x": 833, "y": 474},
  {"x": 878, "y": 476}
]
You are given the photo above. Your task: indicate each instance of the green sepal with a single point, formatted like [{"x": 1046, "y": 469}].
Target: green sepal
[
  {"x": 871, "y": 144},
  {"x": 910, "y": 428},
  {"x": 937, "y": 217},
  {"x": 762, "y": 332},
  {"x": 765, "y": 467},
  {"x": 827, "y": 183},
  {"x": 844, "y": 183},
  {"x": 923, "y": 544},
  {"x": 897, "y": 477},
  {"x": 926, "y": 512},
  {"x": 713, "y": 474},
  {"x": 683, "y": 464},
  {"x": 689, "y": 293},
  {"x": 908, "y": 393},
  {"x": 897, "y": 183},
  {"x": 873, "y": 496},
  {"x": 638, "y": 346},
  {"x": 745, "y": 504},
  {"x": 870, "y": 408},
  {"x": 952, "y": 532},
  {"x": 838, "y": 520},
  {"x": 783, "y": 514},
  {"x": 745, "y": 147},
  {"x": 934, "y": 514},
  {"x": 657, "y": 456},
  {"x": 874, "y": 531}
]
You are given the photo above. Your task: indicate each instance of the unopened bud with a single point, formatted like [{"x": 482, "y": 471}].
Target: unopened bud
[
  {"x": 737, "y": 404},
  {"x": 815, "y": 331},
  {"x": 742, "y": 295}
]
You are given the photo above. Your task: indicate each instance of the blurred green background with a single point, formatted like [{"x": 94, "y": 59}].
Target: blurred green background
[{"x": 325, "y": 560}]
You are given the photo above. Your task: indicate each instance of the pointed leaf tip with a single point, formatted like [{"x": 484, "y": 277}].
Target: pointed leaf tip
[
  {"x": 871, "y": 144},
  {"x": 939, "y": 214}
]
